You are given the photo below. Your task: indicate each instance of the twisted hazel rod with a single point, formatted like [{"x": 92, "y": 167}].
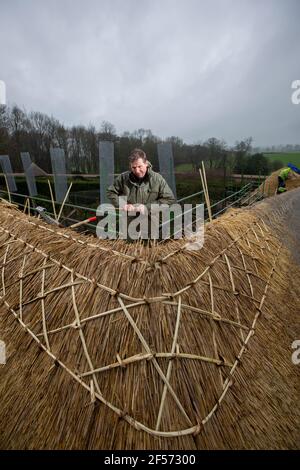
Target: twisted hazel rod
[
  {"x": 169, "y": 370},
  {"x": 146, "y": 356},
  {"x": 154, "y": 361}
]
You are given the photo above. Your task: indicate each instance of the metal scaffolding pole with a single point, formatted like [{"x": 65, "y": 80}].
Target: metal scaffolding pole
[
  {"x": 29, "y": 173},
  {"x": 107, "y": 168},
  {"x": 7, "y": 170},
  {"x": 59, "y": 171},
  {"x": 166, "y": 164}
]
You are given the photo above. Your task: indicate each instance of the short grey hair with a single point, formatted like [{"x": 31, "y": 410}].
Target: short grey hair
[{"x": 136, "y": 154}]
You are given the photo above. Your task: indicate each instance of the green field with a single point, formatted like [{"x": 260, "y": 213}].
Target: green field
[
  {"x": 184, "y": 167},
  {"x": 285, "y": 158}
]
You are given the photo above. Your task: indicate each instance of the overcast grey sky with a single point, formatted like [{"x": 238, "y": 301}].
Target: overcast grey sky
[{"x": 190, "y": 68}]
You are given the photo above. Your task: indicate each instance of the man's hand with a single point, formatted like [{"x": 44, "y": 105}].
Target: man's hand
[
  {"x": 128, "y": 208},
  {"x": 134, "y": 208}
]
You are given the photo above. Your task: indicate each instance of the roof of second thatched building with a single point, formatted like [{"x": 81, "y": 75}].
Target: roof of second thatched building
[{"x": 121, "y": 346}]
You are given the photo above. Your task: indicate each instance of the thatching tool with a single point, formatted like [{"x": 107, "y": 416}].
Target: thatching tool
[
  {"x": 83, "y": 222},
  {"x": 41, "y": 211}
]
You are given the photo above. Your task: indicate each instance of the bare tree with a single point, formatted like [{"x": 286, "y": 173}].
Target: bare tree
[
  {"x": 215, "y": 149},
  {"x": 242, "y": 149},
  {"x": 107, "y": 131}
]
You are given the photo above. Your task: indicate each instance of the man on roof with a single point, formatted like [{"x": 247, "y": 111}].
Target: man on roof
[
  {"x": 282, "y": 177},
  {"x": 141, "y": 186}
]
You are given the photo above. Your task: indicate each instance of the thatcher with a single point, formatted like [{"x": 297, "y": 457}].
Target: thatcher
[
  {"x": 123, "y": 346},
  {"x": 270, "y": 185}
]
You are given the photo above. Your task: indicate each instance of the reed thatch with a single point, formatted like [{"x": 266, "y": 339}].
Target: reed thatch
[{"x": 122, "y": 346}]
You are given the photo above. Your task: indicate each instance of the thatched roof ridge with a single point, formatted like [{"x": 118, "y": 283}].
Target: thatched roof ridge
[{"x": 158, "y": 337}]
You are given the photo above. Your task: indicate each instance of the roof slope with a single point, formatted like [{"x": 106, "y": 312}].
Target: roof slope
[{"x": 121, "y": 346}]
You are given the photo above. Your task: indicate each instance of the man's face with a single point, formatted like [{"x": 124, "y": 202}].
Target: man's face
[{"x": 139, "y": 168}]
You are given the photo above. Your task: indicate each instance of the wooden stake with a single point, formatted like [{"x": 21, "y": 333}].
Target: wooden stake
[
  {"x": 64, "y": 201},
  {"x": 205, "y": 194},
  {"x": 25, "y": 207},
  {"x": 205, "y": 181}
]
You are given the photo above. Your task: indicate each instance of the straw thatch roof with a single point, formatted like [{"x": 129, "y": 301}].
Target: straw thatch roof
[{"x": 122, "y": 346}]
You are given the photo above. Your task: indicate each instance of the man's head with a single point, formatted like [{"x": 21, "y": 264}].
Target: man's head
[{"x": 138, "y": 163}]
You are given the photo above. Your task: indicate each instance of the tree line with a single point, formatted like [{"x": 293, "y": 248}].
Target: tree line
[{"x": 36, "y": 133}]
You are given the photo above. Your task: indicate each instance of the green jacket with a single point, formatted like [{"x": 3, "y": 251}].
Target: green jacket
[
  {"x": 152, "y": 190},
  {"x": 284, "y": 173}
]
